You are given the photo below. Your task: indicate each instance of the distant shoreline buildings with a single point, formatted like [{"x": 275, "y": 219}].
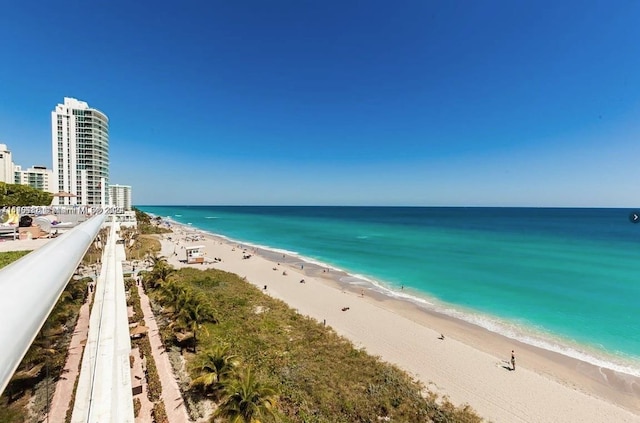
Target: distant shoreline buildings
[
  {"x": 120, "y": 196},
  {"x": 6, "y": 164},
  {"x": 38, "y": 177},
  {"x": 80, "y": 160}
]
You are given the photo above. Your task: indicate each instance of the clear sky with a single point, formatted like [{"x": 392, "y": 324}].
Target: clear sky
[{"x": 509, "y": 103}]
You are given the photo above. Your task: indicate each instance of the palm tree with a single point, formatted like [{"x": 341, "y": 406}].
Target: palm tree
[
  {"x": 192, "y": 312},
  {"x": 214, "y": 367},
  {"x": 160, "y": 273},
  {"x": 128, "y": 235},
  {"x": 171, "y": 294},
  {"x": 163, "y": 271},
  {"x": 248, "y": 400},
  {"x": 154, "y": 259}
]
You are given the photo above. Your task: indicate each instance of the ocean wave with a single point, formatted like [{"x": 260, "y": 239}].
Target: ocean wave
[
  {"x": 546, "y": 341},
  {"x": 211, "y": 217},
  {"x": 522, "y": 333},
  {"x": 509, "y": 329},
  {"x": 252, "y": 245},
  {"x": 519, "y": 332}
]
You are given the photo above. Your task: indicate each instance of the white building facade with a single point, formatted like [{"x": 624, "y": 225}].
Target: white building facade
[
  {"x": 38, "y": 177},
  {"x": 120, "y": 196},
  {"x": 6, "y": 165},
  {"x": 80, "y": 153}
]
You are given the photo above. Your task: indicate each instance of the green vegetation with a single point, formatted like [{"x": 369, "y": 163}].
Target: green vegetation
[
  {"x": 94, "y": 253},
  {"x": 147, "y": 225},
  {"x": 247, "y": 399},
  {"x": 154, "y": 387},
  {"x": 261, "y": 361},
  {"x": 160, "y": 271},
  {"x": 187, "y": 309},
  {"x": 144, "y": 246},
  {"x": 11, "y": 256},
  {"x": 159, "y": 413},
  {"x": 23, "y": 195},
  {"x": 44, "y": 361},
  {"x": 213, "y": 368},
  {"x": 137, "y": 245},
  {"x": 133, "y": 300},
  {"x": 137, "y": 405}
]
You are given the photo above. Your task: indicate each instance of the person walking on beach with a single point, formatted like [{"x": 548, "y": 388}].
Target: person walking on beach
[{"x": 513, "y": 360}]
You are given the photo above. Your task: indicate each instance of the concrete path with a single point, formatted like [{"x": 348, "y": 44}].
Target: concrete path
[
  {"x": 171, "y": 395},
  {"x": 138, "y": 379},
  {"x": 22, "y": 244},
  {"x": 64, "y": 387}
]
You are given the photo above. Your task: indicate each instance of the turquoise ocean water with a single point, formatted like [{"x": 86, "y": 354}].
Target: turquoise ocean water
[{"x": 564, "y": 279}]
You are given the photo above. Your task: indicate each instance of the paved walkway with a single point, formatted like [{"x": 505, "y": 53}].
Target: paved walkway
[
  {"x": 22, "y": 244},
  {"x": 171, "y": 395},
  {"x": 138, "y": 379},
  {"x": 64, "y": 387}
]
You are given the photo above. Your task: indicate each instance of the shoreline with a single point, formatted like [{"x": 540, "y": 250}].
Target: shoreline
[
  {"x": 547, "y": 342},
  {"x": 576, "y": 385}
]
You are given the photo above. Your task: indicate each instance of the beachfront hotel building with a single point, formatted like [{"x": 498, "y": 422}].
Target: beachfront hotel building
[
  {"x": 120, "y": 196},
  {"x": 80, "y": 153},
  {"x": 38, "y": 177},
  {"x": 6, "y": 165}
]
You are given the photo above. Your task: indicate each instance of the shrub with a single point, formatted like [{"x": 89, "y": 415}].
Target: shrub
[
  {"x": 321, "y": 376},
  {"x": 154, "y": 388},
  {"x": 159, "y": 413},
  {"x": 137, "y": 405}
]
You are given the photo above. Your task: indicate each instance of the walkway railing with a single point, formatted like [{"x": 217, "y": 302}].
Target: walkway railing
[
  {"x": 104, "y": 386},
  {"x": 30, "y": 288}
]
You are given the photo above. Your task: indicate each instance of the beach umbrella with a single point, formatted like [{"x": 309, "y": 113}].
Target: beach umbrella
[{"x": 63, "y": 194}]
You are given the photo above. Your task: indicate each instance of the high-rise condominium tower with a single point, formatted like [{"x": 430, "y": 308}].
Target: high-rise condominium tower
[
  {"x": 6, "y": 165},
  {"x": 80, "y": 148},
  {"x": 120, "y": 196}
]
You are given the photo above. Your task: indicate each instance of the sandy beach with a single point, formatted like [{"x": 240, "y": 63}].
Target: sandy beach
[{"x": 471, "y": 365}]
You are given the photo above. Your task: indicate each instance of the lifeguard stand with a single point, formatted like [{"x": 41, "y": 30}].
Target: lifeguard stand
[{"x": 195, "y": 254}]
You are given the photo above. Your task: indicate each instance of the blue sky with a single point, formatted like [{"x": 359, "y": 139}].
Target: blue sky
[{"x": 507, "y": 103}]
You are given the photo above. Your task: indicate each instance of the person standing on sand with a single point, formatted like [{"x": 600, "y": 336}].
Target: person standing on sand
[{"x": 513, "y": 360}]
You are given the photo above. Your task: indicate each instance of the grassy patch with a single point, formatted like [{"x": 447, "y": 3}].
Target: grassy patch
[
  {"x": 11, "y": 256},
  {"x": 319, "y": 375},
  {"x": 151, "y": 228},
  {"x": 144, "y": 245},
  {"x": 147, "y": 225}
]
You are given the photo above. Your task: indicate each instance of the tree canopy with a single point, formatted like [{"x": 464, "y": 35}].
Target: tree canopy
[{"x": 23, "y": 195}]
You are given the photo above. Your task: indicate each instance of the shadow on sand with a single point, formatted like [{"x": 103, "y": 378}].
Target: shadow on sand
[{"x": 507, "y": 366}]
